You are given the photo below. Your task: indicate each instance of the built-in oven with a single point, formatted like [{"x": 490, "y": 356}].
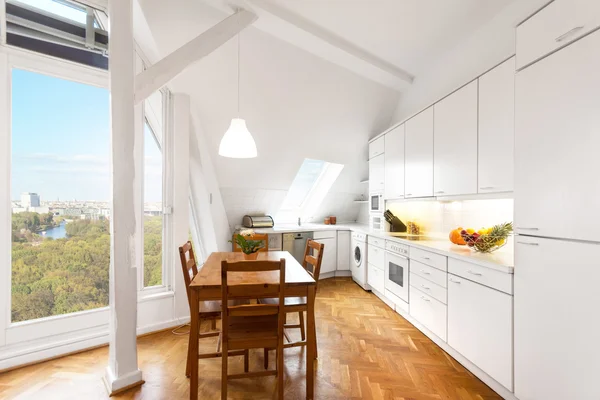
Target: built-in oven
[
  {"x": 376, "y": 203},
  {"x": 396, "y": 269}
]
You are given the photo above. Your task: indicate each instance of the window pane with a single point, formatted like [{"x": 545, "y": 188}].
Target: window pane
[
  {"x": 66, "y": 10},
  {"x": 153, "y": 216},
  {"x": 305, "y": 179},
  {"x": 60, "y": 191}
]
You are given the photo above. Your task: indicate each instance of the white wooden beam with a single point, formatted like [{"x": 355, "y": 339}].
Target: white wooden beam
[
  {"x": 159, "y": 74},
  {"x": 122, "y": 370},
  {"x": 330, "y": 38}
]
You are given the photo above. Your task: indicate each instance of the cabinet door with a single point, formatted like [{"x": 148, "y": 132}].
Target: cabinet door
[
  {"x": 480, "y": 327},
  {"x": 428, "y": 311},
  {"x": 557, "y": 323},
  {"x": 329, "y": 263},
  {"x": 394, "y": 163},
  {"x": 343, "y": 251},
  {"x": 376, "y": 147},
  {"x": 377, "y": 174},
  {"x": 557, "y": 137},
  {"x": 497, "y": 129},
  {"x": 455, "y": 143},
  {"x": 418, "y": 152}
]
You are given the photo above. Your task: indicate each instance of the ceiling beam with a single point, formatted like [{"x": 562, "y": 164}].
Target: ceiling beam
[
  {"x": 331, "y": 38},
  {"x": 159, "y": 74}
]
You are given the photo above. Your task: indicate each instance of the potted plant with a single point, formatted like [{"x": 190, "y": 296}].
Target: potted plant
[{"x": 249, "y": 247}]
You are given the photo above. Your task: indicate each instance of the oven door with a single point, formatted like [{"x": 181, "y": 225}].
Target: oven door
[{"x": 396, "y": 275}]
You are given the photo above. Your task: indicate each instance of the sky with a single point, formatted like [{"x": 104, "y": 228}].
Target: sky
[{"x": 61, "y": 141}]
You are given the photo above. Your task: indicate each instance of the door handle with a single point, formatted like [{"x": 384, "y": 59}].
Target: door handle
[{"x": 529, "y": 244}]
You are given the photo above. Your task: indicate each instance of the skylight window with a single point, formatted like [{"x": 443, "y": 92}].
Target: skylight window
[
  {"x": 307, "y": 176},
  {"x": 62, "y": 9}
]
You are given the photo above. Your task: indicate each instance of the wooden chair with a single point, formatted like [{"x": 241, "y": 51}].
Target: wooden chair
[
  {"x": 253, "y": 326},
  {"x": 257, "y": 236},
  {"x": 299, "y": 304},
  {"x": 209, "y": 310}
]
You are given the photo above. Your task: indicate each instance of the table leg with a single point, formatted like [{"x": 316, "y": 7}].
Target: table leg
[
  {"x": 194, "y": 330},
  {"x": 311, "y": 344}
]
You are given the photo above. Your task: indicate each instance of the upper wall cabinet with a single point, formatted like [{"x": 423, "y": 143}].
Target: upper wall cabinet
[
  {"x": 394, "y": 163},
  {"x": 377, "y": 173},
  {"x": 496, "y": 128},
  {"x": 455, "y": 144},
  {"x": 376, "y": 147},
  {"x": 555, "y": 26},
  {"x": 419, "y": 155}
]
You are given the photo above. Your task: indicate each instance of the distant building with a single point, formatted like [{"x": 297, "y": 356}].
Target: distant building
[{"x": 30, "y": 200}]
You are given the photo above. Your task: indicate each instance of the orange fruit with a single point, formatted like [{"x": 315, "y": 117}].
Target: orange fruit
[{"x": 456, "y": 238}]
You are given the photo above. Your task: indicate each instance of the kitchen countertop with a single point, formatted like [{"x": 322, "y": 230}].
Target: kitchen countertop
[{"x": 501, "y": 260}]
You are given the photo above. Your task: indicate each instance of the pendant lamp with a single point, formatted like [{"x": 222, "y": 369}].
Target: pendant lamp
[{"x": 238, "y": 142}]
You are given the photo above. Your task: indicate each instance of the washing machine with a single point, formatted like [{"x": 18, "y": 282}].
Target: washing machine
[{"x": 358, "y": 259}]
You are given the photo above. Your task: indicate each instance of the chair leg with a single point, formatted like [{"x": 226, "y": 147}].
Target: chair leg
[
  {"x": 316, "y": 341},
  {"x": 213, "y": 324},
  {"x": 302, "y": 330},
  {"x": 266, "y": 359},
  {"x": 280, "y": 370},
  {"x": 246, "y": 361},
  {"x": 188, "y": 361},
  {"x": 224, "y": 359}
]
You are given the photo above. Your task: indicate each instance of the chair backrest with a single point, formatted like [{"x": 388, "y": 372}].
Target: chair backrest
[
  {"x": 313, "y": 259},
  {"x": 189, "y": 266},
  {"x": 257, "y": 236},
  {"x": 256, "y": 291}
]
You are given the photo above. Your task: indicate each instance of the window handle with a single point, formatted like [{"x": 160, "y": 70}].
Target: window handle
[{"x": 569, "y": 33}]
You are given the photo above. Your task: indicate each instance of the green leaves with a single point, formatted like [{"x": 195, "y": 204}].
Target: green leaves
[{"x": 248, "y": 246}]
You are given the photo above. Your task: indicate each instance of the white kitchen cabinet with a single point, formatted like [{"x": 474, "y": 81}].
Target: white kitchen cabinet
[
  {"x": 377, "y": 174},
  {"x": 376, "y": 147},
  {"x": 343, "y": 250},
  {"x": 394, "y": 163},
  {"x": 554, "y": 26},
  {"x": 557, "y": 323},
  {"x": 428, "y": 311},
  {"x": 376, "y": 278},
  {"x": 329, "y": 262},
  {"x": 497, "y": 129},
  {"x": 557, "y": 137},
  {"x": 418, "y": 172},
  {"x": 455, "y": 143},
  {"x": 480, "y": 327}
]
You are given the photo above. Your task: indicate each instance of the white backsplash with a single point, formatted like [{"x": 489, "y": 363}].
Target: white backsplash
[{"x": 440, "y": 217}]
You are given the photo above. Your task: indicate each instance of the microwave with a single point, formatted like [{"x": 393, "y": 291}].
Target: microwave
[{"x": 376, "y": 203}]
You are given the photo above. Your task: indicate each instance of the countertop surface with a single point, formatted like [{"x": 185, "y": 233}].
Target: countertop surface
[{"x": 502, "y": 259}]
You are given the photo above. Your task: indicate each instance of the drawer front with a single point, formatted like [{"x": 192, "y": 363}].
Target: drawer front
[
  {"x": 376, "y": 147},
  {"x": 428, "y": 311},
  {"x": 375, "y": 241},
  {"x": 324, "y": 234},
  {"x": 429, "y": 258},
  {"x": 430, "y": 288},
  {"x": 376, "y": 256},
  {"x": 431, "y": 274},
  {"x": 488, "y": 277},
  {"x": 556, "y": 25},
  {"x": 376, "y": 278}
]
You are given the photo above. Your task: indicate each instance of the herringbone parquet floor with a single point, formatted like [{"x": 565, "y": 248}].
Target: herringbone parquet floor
[{"x": 366, "y": 351}]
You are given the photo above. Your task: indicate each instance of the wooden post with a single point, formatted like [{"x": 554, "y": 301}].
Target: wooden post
[{"x": 122, "y": 372}]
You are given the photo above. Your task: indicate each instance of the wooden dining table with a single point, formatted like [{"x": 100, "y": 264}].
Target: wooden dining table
[{"x": 206, "y": 285}]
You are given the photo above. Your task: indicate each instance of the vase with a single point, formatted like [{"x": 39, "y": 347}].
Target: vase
[{"x": 251, "y": 256}]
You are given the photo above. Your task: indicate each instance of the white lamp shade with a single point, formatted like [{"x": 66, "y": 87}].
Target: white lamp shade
[{"x": 237, "y": 142}]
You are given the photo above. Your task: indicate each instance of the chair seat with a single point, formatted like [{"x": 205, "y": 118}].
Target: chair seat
[
  {"x": 289, "y": 301},
  {"x": 214, "y": 307}
]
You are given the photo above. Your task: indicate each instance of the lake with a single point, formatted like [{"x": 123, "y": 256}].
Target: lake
[{"x": 59, "y": 232}]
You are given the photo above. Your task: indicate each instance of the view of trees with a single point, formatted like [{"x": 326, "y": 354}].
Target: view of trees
[{"x": 60, "y": 276}]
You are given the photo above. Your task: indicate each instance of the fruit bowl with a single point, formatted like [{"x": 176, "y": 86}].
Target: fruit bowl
[{"x": 487, "y": 240}]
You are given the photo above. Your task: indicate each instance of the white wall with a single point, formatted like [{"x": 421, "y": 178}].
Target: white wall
[{"x": 488, "y": 46}]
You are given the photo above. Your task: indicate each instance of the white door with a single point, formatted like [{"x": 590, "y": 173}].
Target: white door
[
  {"x": 455, "y": 143},
  {"x": 557, "y": 138},
  {"x": 557, "y": 323},
  {"x": 377, "y": 173},
  {"x": 394, "y": 163},
  {"x": 343, "y": 250},
  {"x": 497, "y": 129},
  {"x": 480, "y": 327},
  {"x": 329, "y": 262},
  {"x": 418, "y": 173}
]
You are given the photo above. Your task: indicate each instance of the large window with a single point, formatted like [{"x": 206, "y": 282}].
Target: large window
[{"x": 60, "y": 196}]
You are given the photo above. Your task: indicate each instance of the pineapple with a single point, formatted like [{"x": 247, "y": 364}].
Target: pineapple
[{"x": 494, "y": 238}]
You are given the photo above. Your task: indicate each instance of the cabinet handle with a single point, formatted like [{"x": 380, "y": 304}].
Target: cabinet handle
[
  {"x": 425, "y": 272},
  {"x": 474, "y": 273},
  {"x": 439, "y": 191},
  {"x": 453, "y": 281},
  {"x": 569, "y": 33},
  {"x": 425, "y": 287},
  {"x": 529, "y": 244},
  {"x": 424, "y": 298},
  {"x": 426, "y": 258},
  {"x": 486, "y": 188},
  {"x": 528, "y": 229}
]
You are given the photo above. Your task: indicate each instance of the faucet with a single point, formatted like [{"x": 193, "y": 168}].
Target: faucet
[{"x": 299, "y": 222}]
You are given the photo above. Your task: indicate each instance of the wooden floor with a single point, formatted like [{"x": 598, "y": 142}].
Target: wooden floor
[{"x": 366, "y": 351}]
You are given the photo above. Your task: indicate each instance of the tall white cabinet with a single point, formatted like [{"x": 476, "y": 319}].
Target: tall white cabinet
[
  {"x": 496, "y": 129},
  {"x": 377, "y": 173},
  {"x": 394, "y": 163},
  {"x": 418, "y": 173},
  {"x": 455, "y": 143}
]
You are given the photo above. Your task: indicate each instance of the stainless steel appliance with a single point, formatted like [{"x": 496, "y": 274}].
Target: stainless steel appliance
[
  {"x": 295, "y": 243},
  {"x": 358, "y": 257},
  {"x": 396, "y": 270},
  {"x": 376, "y": 203},
  {"x": 265, "y": 221}
]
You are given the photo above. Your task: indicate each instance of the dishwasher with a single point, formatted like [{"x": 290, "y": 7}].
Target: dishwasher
[{"x": 295, "y": 243}]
